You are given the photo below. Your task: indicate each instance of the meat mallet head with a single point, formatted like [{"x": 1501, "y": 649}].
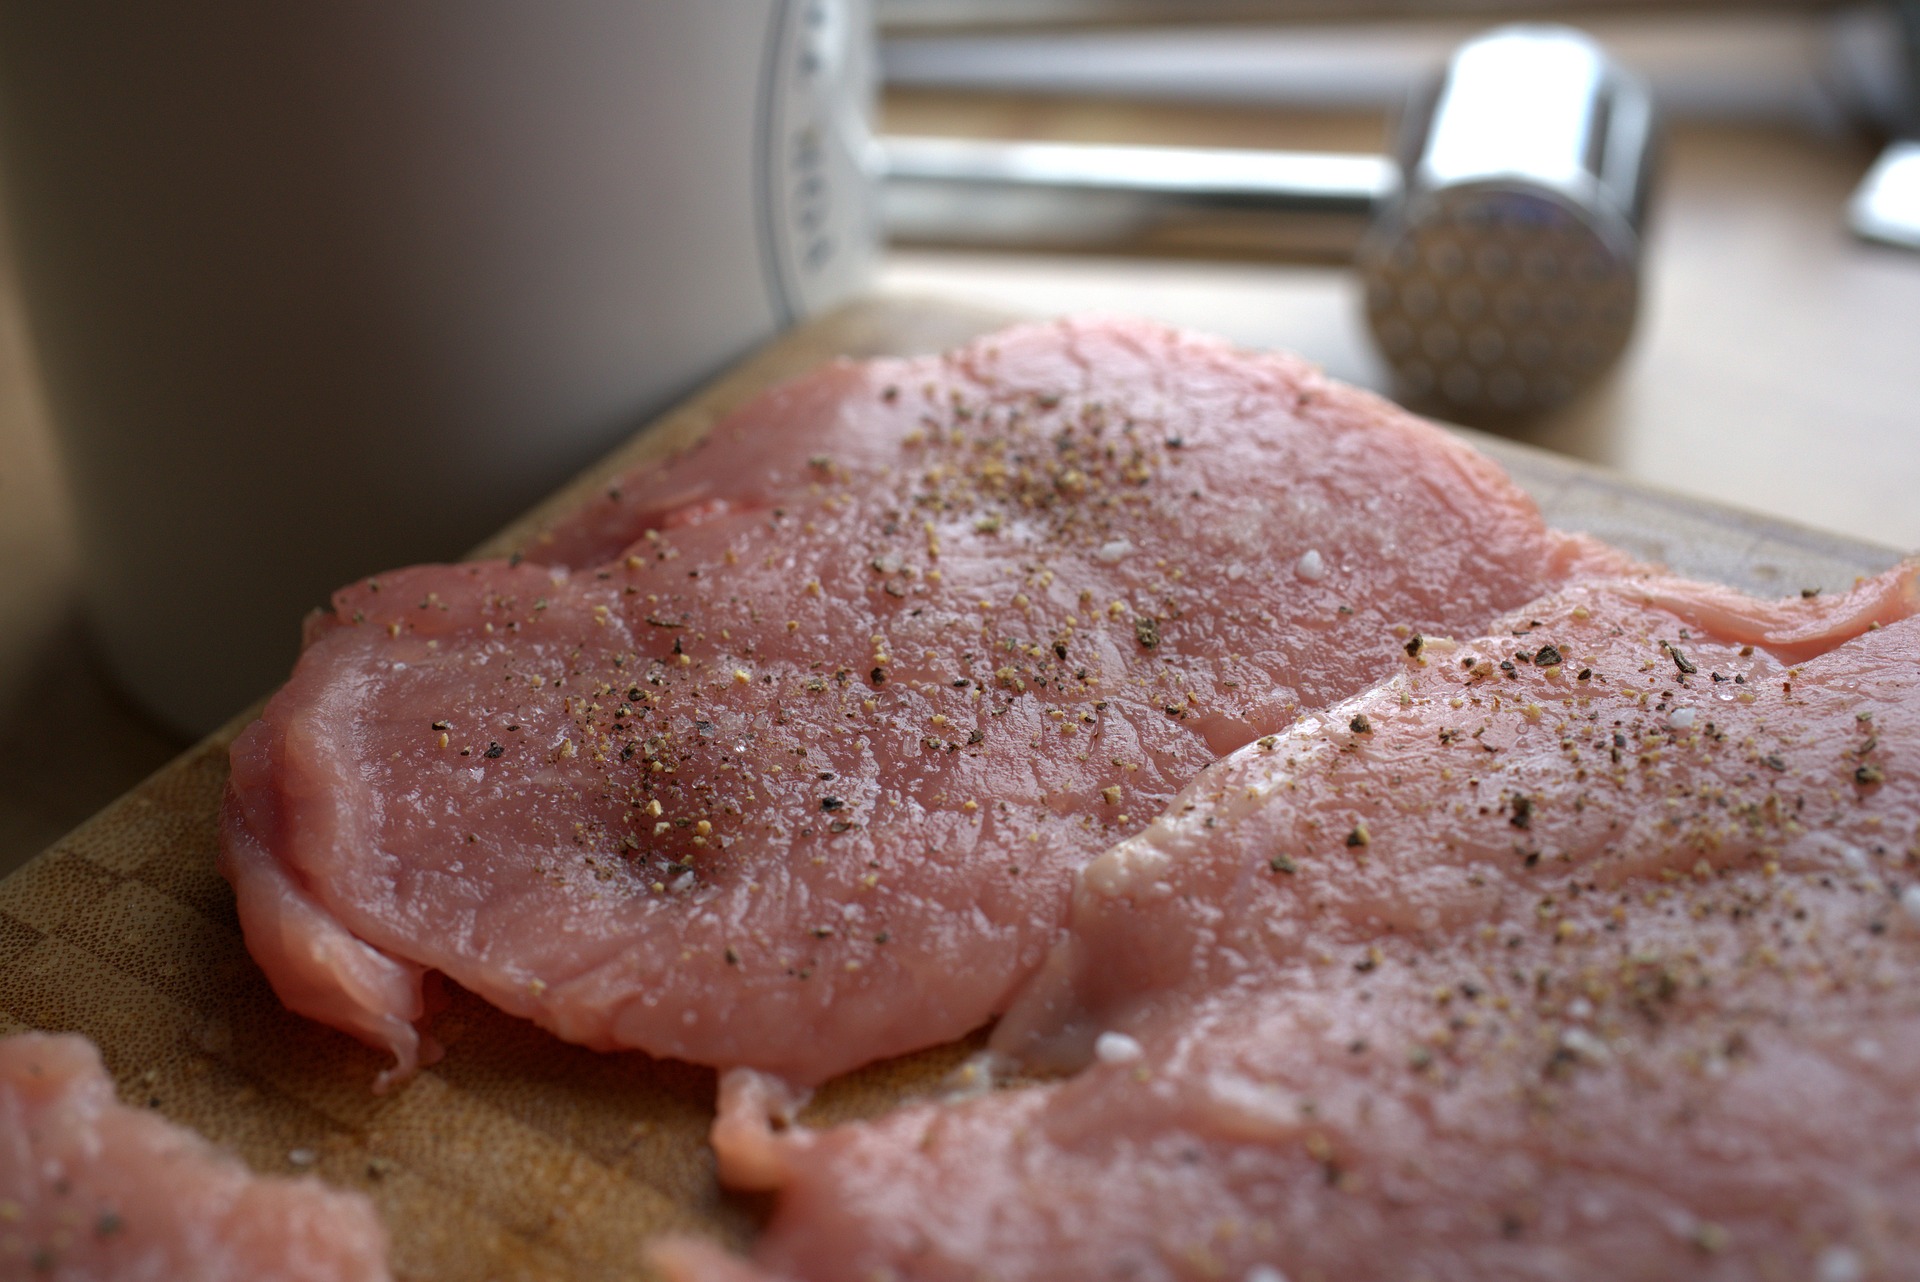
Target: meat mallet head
[{"x": 1503, "y": 278}]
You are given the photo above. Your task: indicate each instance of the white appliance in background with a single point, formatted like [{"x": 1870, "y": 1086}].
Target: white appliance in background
[{"x": 324, "y": 286}]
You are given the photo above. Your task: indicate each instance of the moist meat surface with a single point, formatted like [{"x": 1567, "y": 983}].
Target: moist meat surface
[
  {"x": 785, "y": 757},
  {"x": 94, "y": 1191},
  {"x": 1585, "y": 949}
]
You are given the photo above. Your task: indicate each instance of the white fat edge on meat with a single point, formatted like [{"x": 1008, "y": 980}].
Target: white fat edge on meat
[
  {"x": 1138, "y": 865},
  {"x": 1244, "y": 1110}
]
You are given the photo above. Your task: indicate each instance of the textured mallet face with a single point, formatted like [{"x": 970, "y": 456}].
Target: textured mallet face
[
  {"x": 1502, "y": 281},
  {"x": 1495, "y": 302}
]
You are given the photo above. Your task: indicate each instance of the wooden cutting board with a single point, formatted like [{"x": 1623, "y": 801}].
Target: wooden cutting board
[{"x": 519, "y": 1156}]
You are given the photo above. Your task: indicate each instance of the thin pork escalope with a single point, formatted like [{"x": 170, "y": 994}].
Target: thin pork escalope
[
  {"x": 785, "y": 756},
  {"x": 1581, "y": 950},
  {"x": 91, "y": 1189}
]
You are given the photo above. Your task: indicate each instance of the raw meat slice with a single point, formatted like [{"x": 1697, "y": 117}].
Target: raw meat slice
[
  {"x": 94, "y": 1191},
  {"x": 1583, "y": 950},
  {"x": 801, "y": 779}
]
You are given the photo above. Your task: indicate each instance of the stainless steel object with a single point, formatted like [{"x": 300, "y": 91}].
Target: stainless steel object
[
  {"x": 1499, "y": 245},
  {"x": 1504, "y": 276},
  {"x": 1886, "y": 206},
  {"x": 1084, "y": 196}
]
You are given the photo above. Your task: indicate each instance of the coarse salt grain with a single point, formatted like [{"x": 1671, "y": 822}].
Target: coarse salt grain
[
  {"x": 1264, "y": 1273},
  {"x": 1839, "y": 1264},
  {"x": 1311, "y": 566},
  {"x": 1114, "y": 550},
  {"x": 1117, "y": 1048},
  {"x": 1910, "y": 900},
  {"x": 1681, "y": 719}
]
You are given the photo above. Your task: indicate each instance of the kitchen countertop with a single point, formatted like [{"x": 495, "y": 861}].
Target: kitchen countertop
[{"x": 1773, "y": 370}]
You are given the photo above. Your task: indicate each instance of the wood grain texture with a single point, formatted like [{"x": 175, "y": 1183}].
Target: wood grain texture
[{"x": 519, "y": 1156}]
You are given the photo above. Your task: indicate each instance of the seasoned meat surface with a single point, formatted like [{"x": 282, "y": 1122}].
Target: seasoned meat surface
[
  {"x": 785, "y": 757},
  {"x": 1581, "y": 949}
]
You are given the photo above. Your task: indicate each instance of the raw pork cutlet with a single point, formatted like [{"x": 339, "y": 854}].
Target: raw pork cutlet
[
  {"x": 1586, "y": 949},
  {"x": 94, "y": 1191},
  {"x": 878, "y": 424},
  {"x": 796, "y": 788}
]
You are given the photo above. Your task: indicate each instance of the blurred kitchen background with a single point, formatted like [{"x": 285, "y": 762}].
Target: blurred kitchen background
[{"x": 1775, "y": 365}]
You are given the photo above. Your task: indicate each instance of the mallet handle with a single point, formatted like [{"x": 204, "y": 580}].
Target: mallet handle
[{"x": 1087, "y": 196}]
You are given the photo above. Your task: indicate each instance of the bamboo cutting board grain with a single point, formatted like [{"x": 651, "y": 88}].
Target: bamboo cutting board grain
[{"x": 519, "y": 1156}]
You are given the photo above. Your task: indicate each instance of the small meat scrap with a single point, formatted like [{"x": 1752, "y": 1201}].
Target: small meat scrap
[
  {"x": 1006, "y": 580},
  {"x": 94, "y": 1191},
  {"x": 1670, "y": 1029}
]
